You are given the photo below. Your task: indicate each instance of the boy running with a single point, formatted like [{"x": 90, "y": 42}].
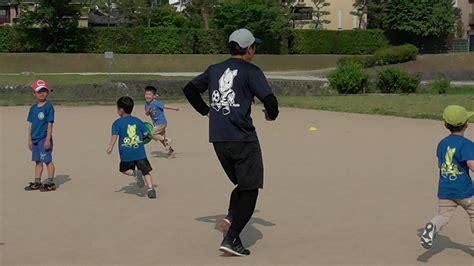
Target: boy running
[
  {"x": 155, "y": 109},
  {"x": 40, "y": 137},
  {"x": 455, "y": 157},
  {"x": 130, "y": 131}
]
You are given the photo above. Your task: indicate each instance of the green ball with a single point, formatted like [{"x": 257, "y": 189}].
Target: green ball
[{"x": 149, "y": 129}]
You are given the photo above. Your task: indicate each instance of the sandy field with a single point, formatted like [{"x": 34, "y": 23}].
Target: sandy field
[{"x": 356, "y": 191}]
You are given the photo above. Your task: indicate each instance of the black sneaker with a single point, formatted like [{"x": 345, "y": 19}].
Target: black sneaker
[
  {"x": 234, "y": 247},
  {"x": 152, "y": 194},
  {"x": 428, "y": 236},
  {"x": 34, "y": 186},
  {"x": 48, "y": 187}
]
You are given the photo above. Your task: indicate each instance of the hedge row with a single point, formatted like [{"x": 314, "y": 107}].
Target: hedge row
[
  {"x": 337, "y": 42},
  {"x": 190, "y": 41},
  {"x": 384, "y": 56}
]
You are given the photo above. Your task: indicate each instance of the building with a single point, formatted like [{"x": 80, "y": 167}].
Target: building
[
  {"x": 340, "y": 16},
  {"x": 9, "y": 10},
  {"x": 467, "y": 9}
]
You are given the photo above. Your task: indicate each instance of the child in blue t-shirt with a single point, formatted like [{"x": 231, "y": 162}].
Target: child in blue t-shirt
[
  {"x": 40, "y": 137},
  {"x": 155, "y": 109},
  {"x": 129, "y": 131},
  {"x": 455, "y": 158}
]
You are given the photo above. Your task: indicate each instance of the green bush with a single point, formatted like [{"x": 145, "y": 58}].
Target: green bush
[
  {"x": 349, "y": 78},
  {"x": 337, "y": 42},
  {"x": 394, "y": 80},
  {"x": 9, "y": 40},
  {"x": 440, "y": 85},
  {"x": 396, "y": 54},
  {"x": 364, "y": 61}
]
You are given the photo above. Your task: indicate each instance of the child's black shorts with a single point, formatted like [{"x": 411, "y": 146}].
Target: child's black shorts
[
  {"x": 242, "y": 162},
  {"x": 142, "y": 165}
]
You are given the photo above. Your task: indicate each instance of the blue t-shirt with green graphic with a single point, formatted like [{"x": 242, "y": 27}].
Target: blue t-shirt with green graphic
[
  {"x": 40, "y": 117},
  {"x": 130, "y": 131},
  {"x": 453, "y": 153}
]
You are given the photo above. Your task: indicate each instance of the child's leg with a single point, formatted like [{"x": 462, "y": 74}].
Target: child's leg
[
  {"x": 38, "y": 170},
  {"x": 51, "y": 169},
  {"x": 468, "y": 205},
  {"x": 446, "y": 210},
  {"x": 149, "y": 181},
  {"x": 129, "y": 173},
  {"x": 158, "y": 134}
]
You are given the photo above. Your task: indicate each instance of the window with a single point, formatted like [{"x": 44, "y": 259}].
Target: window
[
  {"x": 340, "y": 19},
  {"x": 3, "y": 12},
  {"x": 303, "y": 13}
]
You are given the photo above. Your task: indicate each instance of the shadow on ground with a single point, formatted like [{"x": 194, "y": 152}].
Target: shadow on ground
[
  {"x": 133, "y": 189},
  {"x": 160, "y": 154},
  {"x": 441, "y": 243},
  {"x": 59, "y": 180},
  {"x": 251, "y": 233}
]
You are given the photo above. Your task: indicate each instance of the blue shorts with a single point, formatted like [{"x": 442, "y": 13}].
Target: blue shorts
[{"x": 40, "y": 154}]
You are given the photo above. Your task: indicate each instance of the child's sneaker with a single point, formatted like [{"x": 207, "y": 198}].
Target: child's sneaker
[
  {"x": 234, "y": 247},
  {"x": 152, "y": 193},
  {"x": 170, "y": 152},
  {"x": 428, "y": 236},
  {"x": 33, "y": 186},
  {"x": 139, "y": 178},
  {"x": 48, "y": 187}
]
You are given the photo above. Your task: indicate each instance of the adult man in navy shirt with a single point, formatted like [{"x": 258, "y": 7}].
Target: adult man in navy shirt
[{"x": 232, "y": 86}]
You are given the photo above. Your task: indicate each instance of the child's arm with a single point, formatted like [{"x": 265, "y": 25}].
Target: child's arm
[
  {"x": 148, "y": 111},
  {"x": 171, "y": 108},
  {"x": 470, "y": 164},
  {"x": 47, "y": 143},
  {"x": 113, "y": 139},
  {"x": 30, "y": 142}
]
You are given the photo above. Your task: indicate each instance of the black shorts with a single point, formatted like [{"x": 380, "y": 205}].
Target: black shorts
[
  {"x": 142, "y": 165},
  {"x": 242, "y": 162}
]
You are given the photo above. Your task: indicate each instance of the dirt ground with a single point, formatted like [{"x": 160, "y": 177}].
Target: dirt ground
[{"x": 356, "y": 191}]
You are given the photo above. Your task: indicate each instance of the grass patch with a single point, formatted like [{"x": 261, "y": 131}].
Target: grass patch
[
  {"x": 78, "y": 79},
  {"x": 74, "y": 63},
  {"x": 17, "y": 99},
  {"x": 411, "y": 106},
  {"x": 451, "y": 90}
]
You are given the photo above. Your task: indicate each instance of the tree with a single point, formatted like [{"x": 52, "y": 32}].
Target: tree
[
  {"x": 360, "y": 11},
  {"x": 319, "y": 13},
  {"x": 130, "y": 12},
  {"x": 204, "y": 8},
  {"x": 375, "y": 13},
  {"x": 254, "y": 15},
  {"x": 459, "y": 32},
  {"x": 266, "y": 19},
  {"x": 429, "y": 18},
  {"x": 163, "y": 16},
  {"x": 57, "y": 22}
]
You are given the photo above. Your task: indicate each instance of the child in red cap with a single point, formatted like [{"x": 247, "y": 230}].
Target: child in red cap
[{"x": 40, "y": 137}]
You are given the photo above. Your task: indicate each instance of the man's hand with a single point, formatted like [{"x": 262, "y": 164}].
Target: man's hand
[
  {"x": 177, "y": 109},
  {"x": 47, "y": 144},
  {"x": 30, "y": 145},
  {"x": 109, "y": 150},
  {"x": 266, "y": 115}
]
